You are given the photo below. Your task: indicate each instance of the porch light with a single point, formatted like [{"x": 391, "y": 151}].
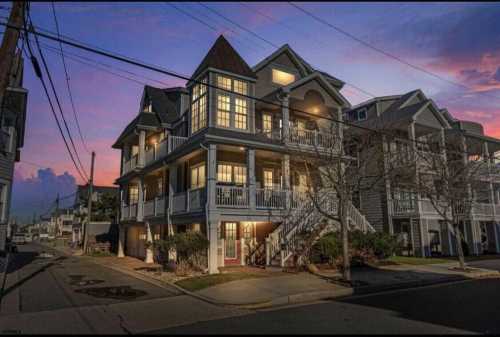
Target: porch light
[{"x": 242, "y": 148}]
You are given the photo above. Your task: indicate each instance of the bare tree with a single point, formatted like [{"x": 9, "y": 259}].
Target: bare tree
[
  {"x": 443, "y": 169},
  {"x": 342, "y": 166}
]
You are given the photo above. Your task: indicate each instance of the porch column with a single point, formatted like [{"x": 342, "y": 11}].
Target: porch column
[
  {"x": 387, "y": 181},
  {"x": 212, "y": 216},
  {"x": 285, "y": 173},
  {"x": 121, "y": 241},
  {"x": 149, "y": 243},
  {"x": 140, "y": 201},
  {"x": 490, "y": 184},
  {"x": 251, "y": 178},
  {"x": 470, "y": 198},
  {"x": 285, "y": 116},
  {"x": 142, "y": 148}
]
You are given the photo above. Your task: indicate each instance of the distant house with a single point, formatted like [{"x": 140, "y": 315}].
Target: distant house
[{"x": 13, "y": 114}]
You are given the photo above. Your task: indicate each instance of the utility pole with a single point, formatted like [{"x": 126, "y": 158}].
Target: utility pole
[
  {"x": 89, "y": 208},
  {"x": 8, "y": 47}
]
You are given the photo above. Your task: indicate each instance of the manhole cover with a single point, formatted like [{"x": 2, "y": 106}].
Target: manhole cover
[{"x": 118, "y": 293}]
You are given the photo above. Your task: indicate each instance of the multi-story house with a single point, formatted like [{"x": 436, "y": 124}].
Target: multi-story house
[
  {"x": 211, "y": 158},
  {"x": 423, "y": 130},
  {"x": 13, "y": 115}
]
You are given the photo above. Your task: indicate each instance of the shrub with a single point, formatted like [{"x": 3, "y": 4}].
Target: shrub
[
  {"x": 190, "y": 248},
  {"x": 327, "y": 249}
]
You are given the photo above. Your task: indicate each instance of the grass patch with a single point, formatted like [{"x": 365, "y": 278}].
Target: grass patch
[
  {"x": 100, "y": 254},
  {"x": 411, "y": 260},
  {"x": 202, "y": 282}
]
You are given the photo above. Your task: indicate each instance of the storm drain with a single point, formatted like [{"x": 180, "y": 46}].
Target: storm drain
[{"x": 117, "y": 293}]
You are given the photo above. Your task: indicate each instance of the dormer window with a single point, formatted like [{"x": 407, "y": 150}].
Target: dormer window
[
  {"x": 148, "y": 106},
  {"x": 359, "y": 115},
  {"x": 282, "y": 77}
]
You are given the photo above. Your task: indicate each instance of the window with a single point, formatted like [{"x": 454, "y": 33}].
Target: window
[
  {"x": 240, "y": 175},
  {"x": 240, "y": 121},
  {"x": 133, "y": 195},
  {"x": 223, "y": 82},
  {"x": 232, "y": 173},
  {"x": 302, "y": 187},
  {"x": 223, "y": 110},
  {"x": 359, "y": 115},
  {"x": 267, "y": 124},
  {"x": 156, "y": 237},
  {"x": 198, "y": 176},
  {"x": 148, "y": 105},
  {"x": 229, "y": 103},
  {"x": 230, "y": 236},
  {"x": 240, "y": 87},
  {"x": 282, "y": 77},
  {"x": 224, "y": 173},
  {"x": 159, "y": 185},
  {"x": 268, "y": 178},
  {"x": 199, "y": 106}
]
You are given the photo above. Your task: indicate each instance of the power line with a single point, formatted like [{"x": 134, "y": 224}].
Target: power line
[
  {"x": 184, "y": 77},
  {"x": 67, "y": 81},
  {"x": 38, "y": 72},
  {"x": 239, "y": 26},
  {"x": 47, "y": 71},
  {"x": 379, "y": 50}
]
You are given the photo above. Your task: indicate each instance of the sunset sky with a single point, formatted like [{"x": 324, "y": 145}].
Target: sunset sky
[{"x": 460, "y": 42}]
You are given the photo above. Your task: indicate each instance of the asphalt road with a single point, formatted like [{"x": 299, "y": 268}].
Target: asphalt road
[
  {"x": 465, "y": 307},
  {"x": 37, "y": 284}
]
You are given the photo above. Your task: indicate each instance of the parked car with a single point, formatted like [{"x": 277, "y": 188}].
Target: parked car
[{"x": 19, "y": 238}]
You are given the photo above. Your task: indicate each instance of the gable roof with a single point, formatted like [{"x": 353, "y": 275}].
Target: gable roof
[
  {"x": 224, "y": 57},
  {"x": 304, "y": 67},
  {"x": 147, "y": 119},
  {"x": 326, "y": 85}
]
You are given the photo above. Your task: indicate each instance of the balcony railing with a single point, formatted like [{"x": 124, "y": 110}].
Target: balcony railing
[
  {"x": 130, "y": 164},
  {"x": 313, "y": 138},
  {"x": 232, "y": 196},
  {"x": 174, "y": 142},
  {"x": 189, "y": 201},
  {"x": 129, "y": 211},
  {"x": 270, "y": 198},
  {"x": 405, "y": 206},
  {"x": 154, "y": 207}
]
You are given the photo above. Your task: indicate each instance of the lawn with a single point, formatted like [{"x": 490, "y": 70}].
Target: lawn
[
  {"x": 201, "y": 282},
  {"x": 411, "y": 260}
]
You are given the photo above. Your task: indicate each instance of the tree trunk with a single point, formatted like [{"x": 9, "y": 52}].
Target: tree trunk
[
  {"x": 460, "y": 251},
  {"x": 346, "y": 270}
]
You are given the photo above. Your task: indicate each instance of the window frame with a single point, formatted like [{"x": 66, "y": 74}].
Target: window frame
[
  {"x": 199, "y": 106},
  {"x": 197, "y": 168},
  {"x": 237, "y": 118},
  {"x": 277, "y": 70}
]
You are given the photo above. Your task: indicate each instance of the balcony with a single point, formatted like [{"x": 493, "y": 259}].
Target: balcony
[
  {"x": 271, "y": 198},
  {"x": 129, "y": 212},
  {"x": 131, "y": 164},
  {"x": 232, "y": 196},
  {"x": 190, "y": 201},
  {"x": 155, "y": 207},
  {"x": 313, "y": 139},
  {"x": 404, "y": 207},
  {"x": 160, "y": 150}
]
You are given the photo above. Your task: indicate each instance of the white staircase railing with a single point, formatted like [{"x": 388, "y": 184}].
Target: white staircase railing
[{"x": 306, "y": 217}]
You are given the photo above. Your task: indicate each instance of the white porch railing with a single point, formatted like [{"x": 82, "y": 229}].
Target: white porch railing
[
  {"x": 270, "y": 198},
  {"x": 232, "y": 196},
  {"x": 483, "y": 209},
  {"x": 404, "y": 207},
  {"x": 174, "y": 142},
  {"x": 312, "y": 138},
  {"x": 149, "y": 208}
]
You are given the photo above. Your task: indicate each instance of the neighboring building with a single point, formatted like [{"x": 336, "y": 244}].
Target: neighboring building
[
  {"x": 199, "y": 158},
  {"x": 13, "y": 114},
  {"x": 394, "y": 208},
  {"x": 62, "y": 221},
  {"x": 104, "y": 211}
]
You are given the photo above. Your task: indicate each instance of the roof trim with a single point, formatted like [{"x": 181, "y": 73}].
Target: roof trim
[
  {"x": 301, "y": 64},
  {"x": 329, "y": 88}
]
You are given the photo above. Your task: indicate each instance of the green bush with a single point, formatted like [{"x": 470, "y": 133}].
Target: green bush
[
  {"x": 190, "y": 248},
  {"x": 363, "y": 247},
  {"x": 327, "y": 249}
]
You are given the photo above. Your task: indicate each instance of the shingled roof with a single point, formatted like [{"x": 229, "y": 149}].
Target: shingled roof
[{"x": 222, "y": 56}]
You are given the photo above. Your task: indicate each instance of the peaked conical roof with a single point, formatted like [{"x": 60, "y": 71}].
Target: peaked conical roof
[{"x": 222, "y": 56}]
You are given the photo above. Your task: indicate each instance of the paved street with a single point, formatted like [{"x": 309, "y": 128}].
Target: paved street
[
  {"x": 89, "y": 298},
  {"x": 465, "y": 307}
]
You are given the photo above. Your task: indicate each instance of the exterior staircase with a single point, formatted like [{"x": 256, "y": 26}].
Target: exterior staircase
[{"x": 307, "y": 221}]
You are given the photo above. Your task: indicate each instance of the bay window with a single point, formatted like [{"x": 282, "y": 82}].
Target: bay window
[{"x": 199, "y": 106}]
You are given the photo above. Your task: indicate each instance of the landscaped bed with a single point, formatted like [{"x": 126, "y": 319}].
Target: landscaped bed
[
  {"x": 201, "y": 282},
  {"x": 411, "y": 260}
]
